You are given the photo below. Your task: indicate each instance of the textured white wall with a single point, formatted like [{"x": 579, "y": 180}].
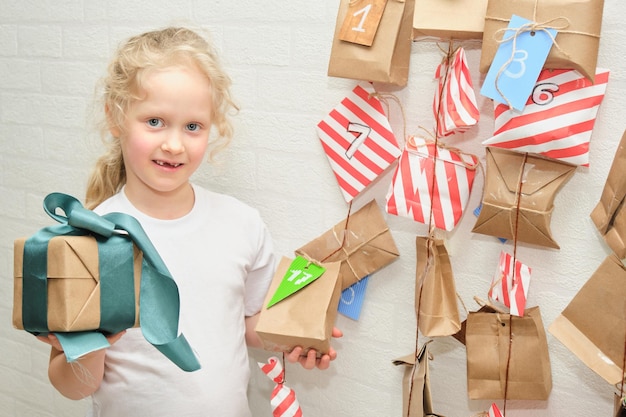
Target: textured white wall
[{"x": 52, "y": 52}]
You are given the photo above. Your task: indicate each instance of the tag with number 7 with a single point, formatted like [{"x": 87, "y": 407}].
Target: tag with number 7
[
  {"x": 358, "y": 140},
  {"x": 300, "y": 273}
]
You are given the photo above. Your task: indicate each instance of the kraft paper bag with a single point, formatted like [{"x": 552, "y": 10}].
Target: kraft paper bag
[
  {"x": 305, "y": 318},
  {"x": 387, "y": 59},
  {"x": 449, "y": 19},
  {"x": 73, "y": 283},
  {"x": 363, "y": 248},
  {"x": 518, "y": 198},
  {"x": 487, "y": 341},
  {"x": 578, "y": 41},
  {"x": 609, "y": 215},
  {"x": 435, "y": 290},
  {"x": 593, "y": 325},
  {"x": 416, "y": 384}
]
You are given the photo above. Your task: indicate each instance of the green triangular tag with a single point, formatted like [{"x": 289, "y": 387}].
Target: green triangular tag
[{"x": 300, "y": 273}]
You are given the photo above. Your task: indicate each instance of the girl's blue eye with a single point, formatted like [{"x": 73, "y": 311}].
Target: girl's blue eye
[
  {"x": 154, "y": 122},
  {"x": 193, "y": 127}
]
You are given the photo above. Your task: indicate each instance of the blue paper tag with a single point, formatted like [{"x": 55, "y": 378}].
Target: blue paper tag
[
  {"x": 516, "y": 70},
  {"x": 351, "y": 301}
]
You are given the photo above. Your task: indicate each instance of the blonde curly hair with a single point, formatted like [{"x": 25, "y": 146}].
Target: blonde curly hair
[{"x": 123, "y": 84}]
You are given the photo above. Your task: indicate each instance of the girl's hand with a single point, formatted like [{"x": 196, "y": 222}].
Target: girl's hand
[
  {"x": 53, "y": 341},
  {"x": 310, "y": 360}
]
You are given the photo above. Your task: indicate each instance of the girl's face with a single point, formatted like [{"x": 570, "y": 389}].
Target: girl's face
[{"x": 166, "y": 135}]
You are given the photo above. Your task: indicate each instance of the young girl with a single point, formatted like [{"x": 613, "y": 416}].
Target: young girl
[{"x": 164, "y": 92}]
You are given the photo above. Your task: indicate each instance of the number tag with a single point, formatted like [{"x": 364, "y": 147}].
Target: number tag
[
  {"x": 516, "y": 72},
  {"x": 351, "y": 301},
  {"x": 361, "y": 22},
  {"x": 300, "y": 273}
]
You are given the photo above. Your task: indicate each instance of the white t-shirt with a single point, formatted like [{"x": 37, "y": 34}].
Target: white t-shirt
[{"x": 221, "y": 257}]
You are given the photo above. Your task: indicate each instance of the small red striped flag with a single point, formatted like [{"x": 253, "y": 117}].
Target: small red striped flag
[
  {"x": 510, "y": 284},
  {"x": 432, "y": 184},
  {"x": 358, "y": 140},
  {"x": 283, "y": 399},
  {"x": 494, "y": 411},
  {"x": 557, "y": 120},
  {"x": 455, "y": 92}
]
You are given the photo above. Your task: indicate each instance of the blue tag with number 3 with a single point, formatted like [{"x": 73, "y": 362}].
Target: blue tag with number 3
[{"x": 516, "y": 70}]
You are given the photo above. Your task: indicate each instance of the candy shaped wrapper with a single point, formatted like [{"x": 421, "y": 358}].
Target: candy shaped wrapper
[
  {"x": 455, "y": 101},
  {"x": 283, "y": 399}
]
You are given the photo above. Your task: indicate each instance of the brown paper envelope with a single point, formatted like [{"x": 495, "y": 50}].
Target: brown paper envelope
[
  {"x": 542, "y": 179},
  {"x": 368, "y": 246},
  {"x": 458, "y": 19},
  {"x": 609, "y": 215},
  {"x": 73, "y": 284},
  {"x": 305, "y": 318},
  {"x": 593, "y": 325},
  {"x": 577, "y": 51}
]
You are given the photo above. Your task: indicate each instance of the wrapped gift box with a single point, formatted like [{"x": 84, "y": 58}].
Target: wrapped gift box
[
  {"x": 73, "y": 283},
  {"x": 449, "y": 19}
]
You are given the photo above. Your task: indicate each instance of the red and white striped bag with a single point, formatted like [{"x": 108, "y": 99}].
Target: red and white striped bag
[
  {"x": 494, "y": 411},
  {"x": 458, "y": 110},
  {"x": 557, "y": 120},
  {"x": 510, "y": 286},
  {"x": 432, "y": 184},
  {"x": 283, "y": 399},
  {"x": 358, "y": 140}
]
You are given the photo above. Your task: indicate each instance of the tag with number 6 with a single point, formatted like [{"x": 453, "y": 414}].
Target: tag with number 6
[
  {"x": 300, "y": 273},
  {"x": 358, "y": 140}
]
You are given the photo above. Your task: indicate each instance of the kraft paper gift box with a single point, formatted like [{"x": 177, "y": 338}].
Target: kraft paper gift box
[
  {"x": 305, "y": 318},
  {"x": 609, "y": 215},
  {"x": 73, "y": 284},
  {"x": 449, "y": 19},
  {"x": 578, "y": 42},
  {"x": 366, "y": 247},
  {"x": 518, "y": 198}
]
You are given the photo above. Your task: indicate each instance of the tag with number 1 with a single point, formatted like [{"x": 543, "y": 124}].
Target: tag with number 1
[
  {"x": 516, "y": 70},
  {"x": 300, "y": 273},
  {"x": 362, "y": 20}
]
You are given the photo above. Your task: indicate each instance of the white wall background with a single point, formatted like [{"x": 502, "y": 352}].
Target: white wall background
[{"x": 52, "y": 52}]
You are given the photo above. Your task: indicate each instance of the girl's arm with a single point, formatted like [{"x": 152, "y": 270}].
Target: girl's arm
[{"x": 76, "y": 380}]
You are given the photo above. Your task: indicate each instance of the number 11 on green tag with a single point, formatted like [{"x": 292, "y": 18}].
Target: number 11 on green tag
[{"x": 300, "y": 273}]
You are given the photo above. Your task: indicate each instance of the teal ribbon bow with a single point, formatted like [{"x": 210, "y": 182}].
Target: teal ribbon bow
[{"x": 115, "y": 233}]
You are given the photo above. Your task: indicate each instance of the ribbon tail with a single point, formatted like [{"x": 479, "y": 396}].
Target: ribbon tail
[
  {"x": 77, "y": 344},
  {"x": 179, "y": 351}
]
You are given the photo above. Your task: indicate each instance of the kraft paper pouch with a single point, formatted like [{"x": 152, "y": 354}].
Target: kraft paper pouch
[
  {"x": 387, "y": 59},
  {"x": 487, "y": 341},
  {"x": 368, "y": 245},
  {"x": 578, "y": 23},
  {"x": 460, "y": 335},
  {"x": 609, "y": 215},
  {"x": 305, "y": 318},
  {"x": 416, "y": 384},
  {"x": 436, "y": 303},
  {"x": 593, "y": 325},
  {"x": 504, "y": 208},
  {"x": 449, "y": 19},
  {"x": 73, "y": 284}
]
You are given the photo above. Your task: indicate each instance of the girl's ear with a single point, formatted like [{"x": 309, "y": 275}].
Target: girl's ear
[{"x": 113, "y": 127}]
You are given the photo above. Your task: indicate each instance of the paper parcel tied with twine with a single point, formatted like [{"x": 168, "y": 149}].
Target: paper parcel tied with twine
[
  {"x": 362, "y": 243},
  {"x": 74, "y": 286},
  {"x": 449, "y": 19},
  {"x": 518, "y": 198},
  {"x": 302, "y": 316},
  {"x": 609, "y": 215},
  {"x": 578, "y": 23},
  {"x": 593, "y": 325}
]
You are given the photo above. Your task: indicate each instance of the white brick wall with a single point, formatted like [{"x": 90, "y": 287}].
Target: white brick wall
[{"x": 52, "y": 53}]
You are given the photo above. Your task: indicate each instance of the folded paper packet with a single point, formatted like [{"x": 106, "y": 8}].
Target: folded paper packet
[
  {"x": 518, "y": 197},
  {"x": 306, "y": 317},
  {"x": 578, "y": 40},
  {"x": 80, "y": 278},
  {"x": 368, "y": 245},
  {"x": 74, "y": 285},
  {"x": 457, "y": 19}
]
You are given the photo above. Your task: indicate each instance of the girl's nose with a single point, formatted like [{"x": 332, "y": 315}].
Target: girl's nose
[{"x": 173, "y": 143}]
